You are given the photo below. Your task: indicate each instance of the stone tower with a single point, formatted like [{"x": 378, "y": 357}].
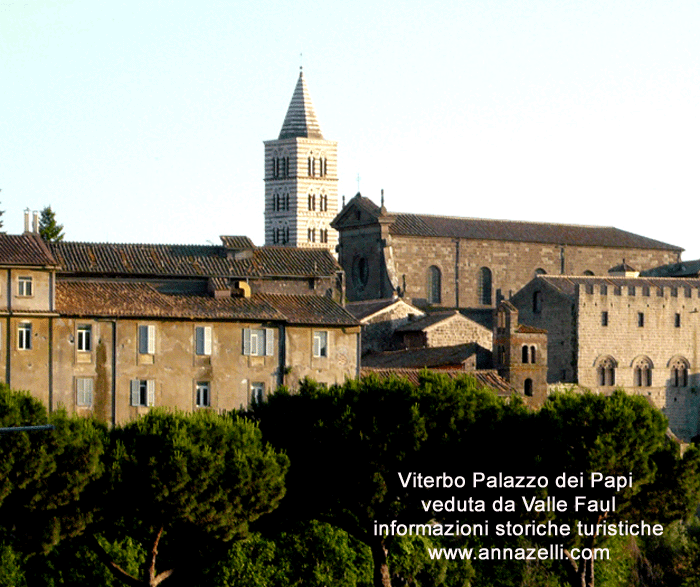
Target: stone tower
[{"x": 301, "y": 179}]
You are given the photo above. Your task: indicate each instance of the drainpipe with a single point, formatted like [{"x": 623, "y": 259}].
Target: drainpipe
[
  {"x": 457, "y": 273},
  {"x": 51, "y": 322},
  {"x": 8, "y": 333}
]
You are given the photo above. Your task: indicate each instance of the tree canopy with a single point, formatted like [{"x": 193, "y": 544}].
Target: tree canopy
[
  {"x": 178, "y": 482},
  {"x": 49, "y": 229},
  {"x": 44, "y": 474}
]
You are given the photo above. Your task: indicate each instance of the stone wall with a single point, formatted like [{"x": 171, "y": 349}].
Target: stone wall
[
  {"x": 403, "y": 261},
  {"x": 458, "y": 330},
  {"x": 556, "y": 314}
]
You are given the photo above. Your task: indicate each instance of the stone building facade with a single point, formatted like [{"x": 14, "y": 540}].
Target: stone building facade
[
  {"x": 436, "y": 261},
  {"x": 380, "y": 320},
  {"x": 443, "y": 329},
  {"x": 114, "y": 329},
  {"x": 301, "y": 179},
  {"x": 638, "y": 333}
]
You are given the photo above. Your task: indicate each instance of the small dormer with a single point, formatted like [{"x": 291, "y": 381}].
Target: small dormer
[
  {"x": 623, "y": 270},
  {"x": 219, "y": 287},
  {"x": 238, "y": 248}
]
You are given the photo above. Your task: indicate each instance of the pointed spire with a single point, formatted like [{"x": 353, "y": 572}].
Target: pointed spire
[{"x": 301, "y": 118}]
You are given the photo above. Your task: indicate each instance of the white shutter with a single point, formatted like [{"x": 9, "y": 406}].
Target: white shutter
[
  {"x": 269, "y": 342},
  {"x": 151, "y": 390},
  {"x": 135, "y": 392},
  {"x": 246, "y": 341},
  {"x": 207, "y": 340},
  {"x": 84, "y": 391},
  {"x": 317, "y": 344},
  {"x": 151, "y": 339}
]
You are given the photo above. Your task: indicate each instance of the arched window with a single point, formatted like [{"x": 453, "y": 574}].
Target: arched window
[
  {"x": 588, "y": 272},
  {"x": 527, "y": 388},
  {"x": 434, "y": 285},
  {"x": 501, "y": 354},
  {"x": 679, "y": 372},
  {"x": 537, "y": 302},
  {"x": 485, "y": 286},
  {"x": 606, "y": 371},
  {"x": 533, "y": 355},
  {"x": 540, "y": 271},
  {"x": 642, "y": 372},
  {"x": 526, "y": 354}
]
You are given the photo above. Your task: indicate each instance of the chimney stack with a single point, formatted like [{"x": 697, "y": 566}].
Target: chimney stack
[{"x": 35, "y": 222}]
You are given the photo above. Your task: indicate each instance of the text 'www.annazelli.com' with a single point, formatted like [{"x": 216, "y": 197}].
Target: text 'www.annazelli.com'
[{"x": 552, "y": 552}]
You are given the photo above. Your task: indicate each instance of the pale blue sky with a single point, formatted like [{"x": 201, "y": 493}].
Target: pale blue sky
[{"x": 144, "y": 121}]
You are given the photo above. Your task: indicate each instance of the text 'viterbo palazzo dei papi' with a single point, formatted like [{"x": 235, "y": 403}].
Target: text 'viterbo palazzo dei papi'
[{"x": 114, "y": 329}]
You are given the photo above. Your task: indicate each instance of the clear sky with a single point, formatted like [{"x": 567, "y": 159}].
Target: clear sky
[{"x": 144, "y": 121}]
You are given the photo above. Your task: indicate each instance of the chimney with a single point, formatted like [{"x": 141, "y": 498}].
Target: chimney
[
  {"x": 35, "y": 222},
  {"x": 26, "y": 220}
]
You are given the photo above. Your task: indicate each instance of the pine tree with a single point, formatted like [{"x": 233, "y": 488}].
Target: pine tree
[{"x": 49, "y": 229}]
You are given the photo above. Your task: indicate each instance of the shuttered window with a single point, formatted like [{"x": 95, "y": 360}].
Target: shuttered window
[
  {"x": 147, "y": 339},
  {"x": 84, "y": 388},
  {"x": 203, "y": 340},
  {"x": 143, "y": 392},
  {"x": 258, "y": 342}
]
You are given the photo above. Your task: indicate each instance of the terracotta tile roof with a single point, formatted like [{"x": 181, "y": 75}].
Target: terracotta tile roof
[
  {"x": 510, "y": 230},
  {"x": 119, "y": 299},
  {"x": 25, "y": 249},
  {"x": 119, "y": 259},
  {"x": 525, "y": 329},
  {"x": 307, "y": 309},
  {"x": 487, "y": 378},
  {"x": 567, "y": 284},
  {"x": 428, "y": 357},
  {"x": 237, "y": 242},
  {"x": 130, "y": 299},
  {"x": 364, "y": 309},
  {"x": 429, "y": 320},
  {"x": 285, "y": 262}
]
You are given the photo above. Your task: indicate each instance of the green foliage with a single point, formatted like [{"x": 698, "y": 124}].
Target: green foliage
[
  {"x": 311, "y": 554},
  {"x": 179, "y": 483},
  {"x": 49, "y": 229},
  {"x": 74, "y": 564},
  {"x": 44, "y": 475},
  {"x": 347, "y": 445},
  {"x": 251, "y": 562},
  {"x": 11, "y": 571}
]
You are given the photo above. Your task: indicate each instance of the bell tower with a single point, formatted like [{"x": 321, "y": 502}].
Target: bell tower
[{"x": 301, "y": 179}]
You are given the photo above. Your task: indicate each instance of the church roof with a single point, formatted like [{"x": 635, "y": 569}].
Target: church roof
[
  {"x": 301, "y": 118},
  {"x": 512, "y": 230},
  {"x": 426, "y": 226}
]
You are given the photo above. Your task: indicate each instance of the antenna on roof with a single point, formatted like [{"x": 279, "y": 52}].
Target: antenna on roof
[{"x": 382, "y": 197}]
